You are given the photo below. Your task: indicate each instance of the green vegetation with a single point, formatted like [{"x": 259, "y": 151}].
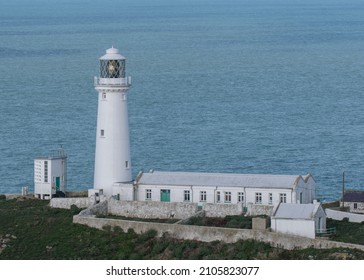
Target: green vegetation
[
  {"x": 29, "y": 229},
  {"x": 347, "y": 232},
  {"x": 228, "y": 221}
]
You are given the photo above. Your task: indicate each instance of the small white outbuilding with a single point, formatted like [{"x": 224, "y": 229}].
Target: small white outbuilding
[
  {"x": 299, "y": 219},
  {"x": 50, "y": 175}
]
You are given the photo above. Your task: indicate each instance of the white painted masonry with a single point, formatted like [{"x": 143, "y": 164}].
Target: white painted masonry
[
  {"x": 50, "y": 175},
  {"x": 219, "y": 188},
  {"x": 112, "y": 154},
  {"x": 299, "y": 219}
]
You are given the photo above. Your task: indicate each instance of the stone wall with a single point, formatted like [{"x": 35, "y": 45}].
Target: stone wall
[
  {"x": 261, "y": 223},
  {"x": 96, "y": 209},
  {"x": 151, "y": 209},
  {"x": 222, "y": 210},
  {"x": 257, "y": 210},
  {"x": 161, "y": 210},
  {"x": 66, "y": 203},
  {"x": 339, "y": 215},
  {"x": 209, "y": 234}
]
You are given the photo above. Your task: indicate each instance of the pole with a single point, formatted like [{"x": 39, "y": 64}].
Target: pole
[{"x": 343, "y": 189}]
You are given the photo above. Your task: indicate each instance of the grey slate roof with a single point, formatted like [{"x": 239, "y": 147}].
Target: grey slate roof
[
  {"x": 296, "y": 211},
  {"x": 354, "y": 196},
  {"x": 219, "y": 179}
]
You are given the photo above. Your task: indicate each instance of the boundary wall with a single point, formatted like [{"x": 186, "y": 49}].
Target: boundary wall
[
  {"x": 151, "y": 209},
  {"x": 209, "y": 234},
  {"x": 339, "y": 215},
  {"x": 161, "y": 210},
  {"x": 66, "y": 203}
]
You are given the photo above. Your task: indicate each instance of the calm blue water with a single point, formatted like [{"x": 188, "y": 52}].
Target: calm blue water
[{"x": 249, "y": 86}]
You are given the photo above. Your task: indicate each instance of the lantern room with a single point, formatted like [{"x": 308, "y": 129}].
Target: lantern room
[{"x": 112, "y": 64}]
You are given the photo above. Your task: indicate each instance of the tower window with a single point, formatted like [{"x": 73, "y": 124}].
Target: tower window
[
  {"x": 104, "y": 96},
  {"x": 102, "y": 133},
  {"x": 126, "y": 164}
]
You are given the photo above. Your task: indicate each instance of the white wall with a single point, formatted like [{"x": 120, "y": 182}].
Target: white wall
[
  {"x": 57, "y": 167},
  {"x": 308, "y": 190},
  {"x": 177, "y": 193},
  {"x": 112, "y": 149},
  {"x": 304, "y": 228},
  {"x": 339, "y": 215},
  {"x": 125, "y": 191}
]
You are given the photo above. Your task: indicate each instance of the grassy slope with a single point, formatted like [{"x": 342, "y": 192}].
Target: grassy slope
[{"x": 45, "y": 233}]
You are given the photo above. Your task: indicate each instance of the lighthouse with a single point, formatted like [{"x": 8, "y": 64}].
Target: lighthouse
[{"x": 112, "y": 152}]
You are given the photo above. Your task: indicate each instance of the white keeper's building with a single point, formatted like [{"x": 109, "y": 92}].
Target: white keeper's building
[{"x": 259, "y": 189}]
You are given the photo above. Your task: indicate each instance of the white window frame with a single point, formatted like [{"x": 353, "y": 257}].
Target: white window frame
[
  {"x": 187, "y": 195},
  {"x": 270, "y": 198},
  {"x": 241, "y": 197},
  {"x": 218, "y": 197},
  {"x": 46, "y": 171},
  {"x": 283, "y": 198},
  {"x": 258, "y": 198},
  {"x": 148, "y": 194},
  {"x": 203, "y": 196},
  {"x": 227, "y": 197}
]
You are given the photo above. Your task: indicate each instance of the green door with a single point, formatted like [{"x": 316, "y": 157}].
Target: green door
[
  {"x": 166, "y": 195},
  {"x": 58, "y": 183}
]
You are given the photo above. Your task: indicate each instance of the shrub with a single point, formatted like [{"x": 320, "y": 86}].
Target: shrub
[
  {"x": 150, "y": 234},
  {"x": 2, "y": 197}
]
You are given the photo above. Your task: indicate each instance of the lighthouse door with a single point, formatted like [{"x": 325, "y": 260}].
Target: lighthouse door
[
  {"x": 58, "y": 183},
  {"x": 166, "y": 195}
]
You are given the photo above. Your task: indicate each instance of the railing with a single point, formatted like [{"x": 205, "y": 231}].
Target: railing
[
  {"x": 60, "y": 153},
  {"x": 112, "y": 81},
  {"x": 326, "y": 232}
]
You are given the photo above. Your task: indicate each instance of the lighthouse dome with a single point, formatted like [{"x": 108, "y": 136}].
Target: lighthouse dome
[{"x": 112, "y": 54}]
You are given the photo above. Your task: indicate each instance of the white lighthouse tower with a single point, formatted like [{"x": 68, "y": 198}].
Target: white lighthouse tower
[{"x": 112, "y": 154}]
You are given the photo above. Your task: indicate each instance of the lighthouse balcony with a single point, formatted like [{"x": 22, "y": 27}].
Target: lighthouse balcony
[{"x": 126, "y": 82}]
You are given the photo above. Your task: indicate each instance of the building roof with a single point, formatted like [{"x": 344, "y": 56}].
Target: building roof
[
  {"x": 354, "y": 196},
  {"x": 296, "y": 211},
  {"x": 220, "y": 179}
]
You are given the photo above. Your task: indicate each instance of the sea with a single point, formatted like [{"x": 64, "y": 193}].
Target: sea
[{"x": 230, "y": 86}]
